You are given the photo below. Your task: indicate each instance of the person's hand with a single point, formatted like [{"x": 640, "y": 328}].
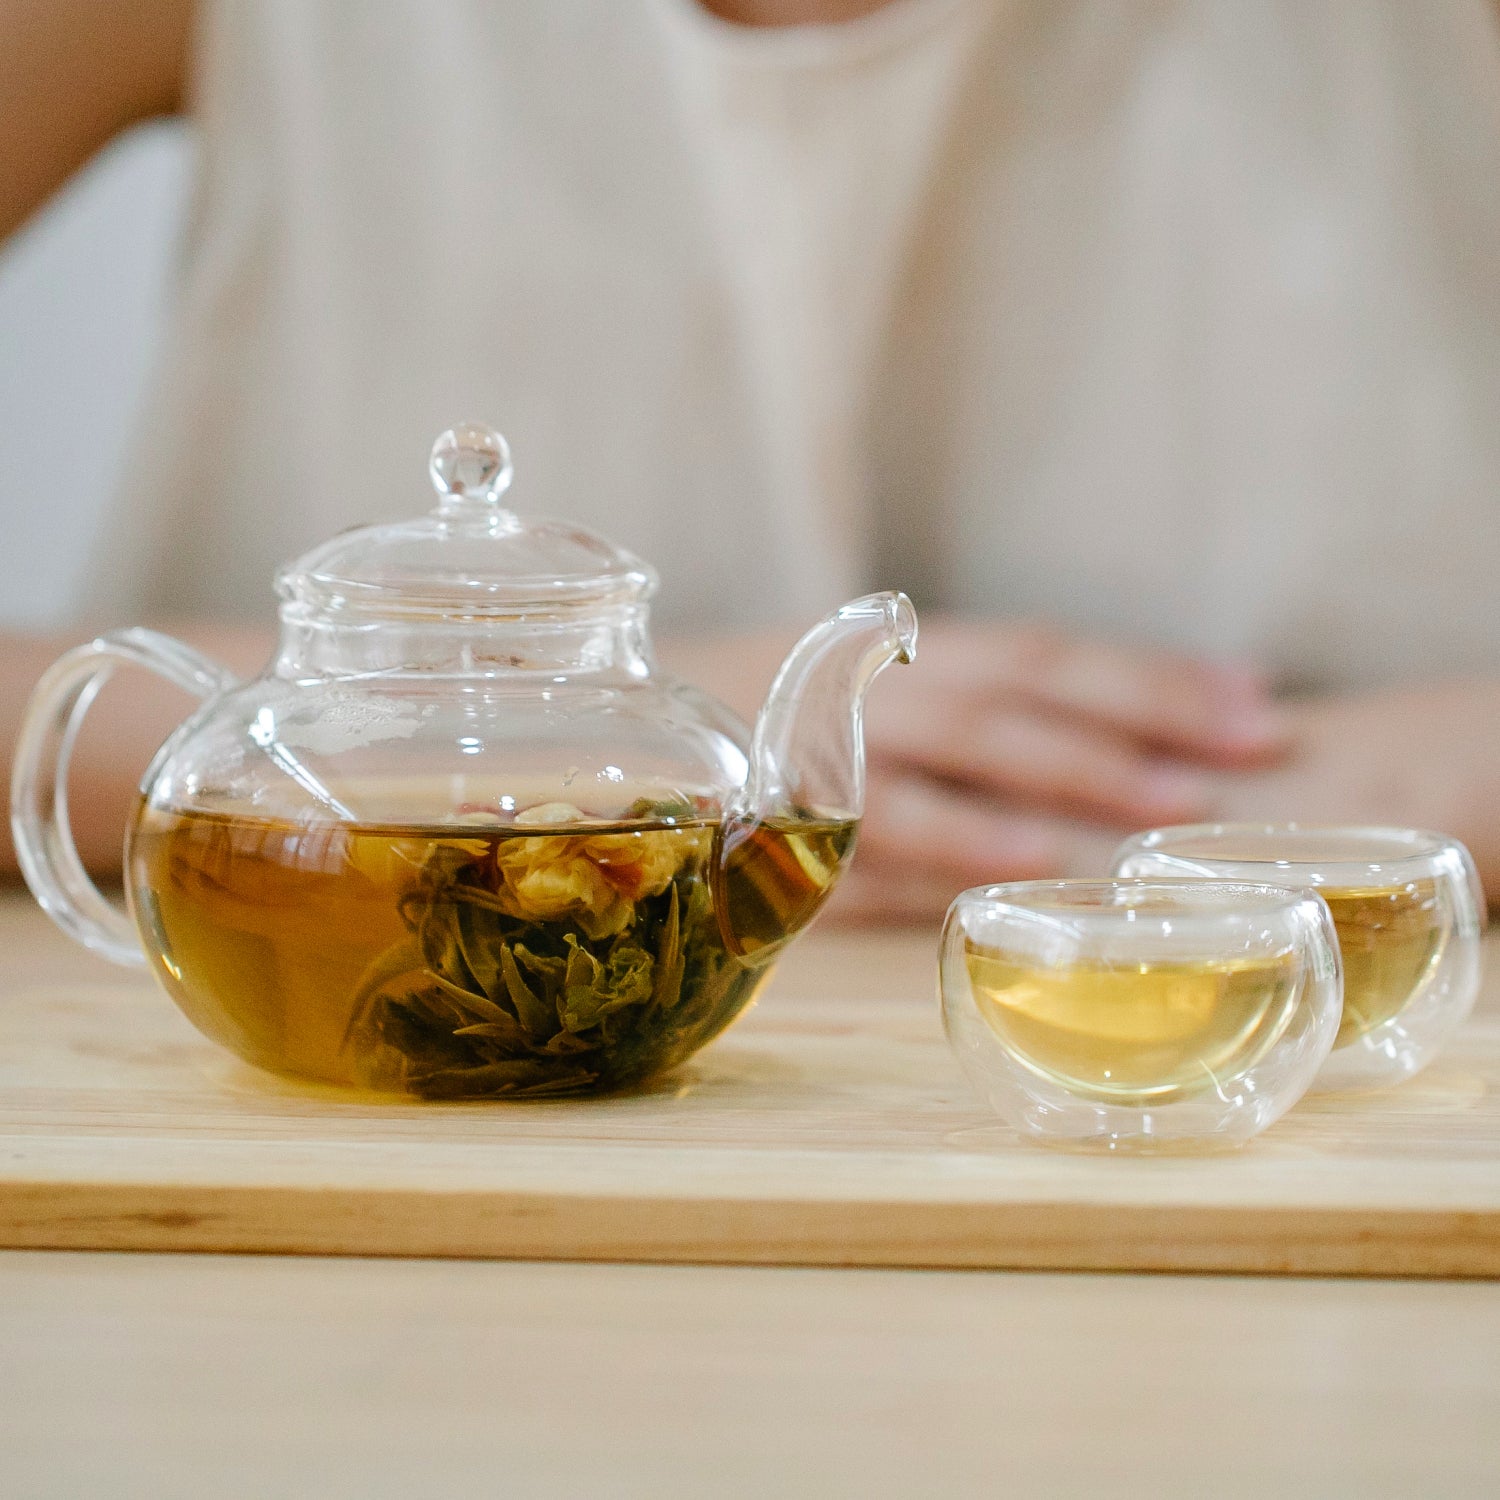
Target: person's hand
[
  {"x": 1011, "y": 752},
  {"x": 1416, "y": 757}
]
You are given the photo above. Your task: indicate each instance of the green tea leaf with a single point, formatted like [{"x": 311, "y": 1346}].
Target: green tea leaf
[
  {"x": 481, "y": 952},
  {"x": 401, "y": 961},
  {"x": 546, "y": 972},
  {"x": 539, "y": 1018},
  {"x": 583, "y": 970},
  {"x": 667, "y": 989},
  {"x": 567, "y": 1043},
  {"x": 488, "y": 1078},
  {"x": 592, "y": 991},
  {"x": 477, "y": 1002},
  {"x": 494, "y": 1031}
]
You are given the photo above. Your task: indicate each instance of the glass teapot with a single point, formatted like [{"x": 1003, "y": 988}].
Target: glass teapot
[{"x": 462, "y": 839}]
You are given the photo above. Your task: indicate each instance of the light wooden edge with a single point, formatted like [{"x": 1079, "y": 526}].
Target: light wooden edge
[{"x": 279, "y": 1220}]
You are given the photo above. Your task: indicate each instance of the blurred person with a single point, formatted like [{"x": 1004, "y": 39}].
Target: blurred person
[{"x": 1153, "y": 347}]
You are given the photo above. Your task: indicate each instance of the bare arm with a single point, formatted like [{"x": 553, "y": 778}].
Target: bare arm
[{"x": 73, "y": 74}]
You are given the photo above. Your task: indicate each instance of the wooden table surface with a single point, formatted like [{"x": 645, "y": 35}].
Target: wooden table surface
[
  {"x": 831, "y": 1127},
  {"x": 196, "y": 1375}
]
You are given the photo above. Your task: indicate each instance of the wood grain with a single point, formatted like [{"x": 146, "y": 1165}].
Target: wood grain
[
  {"x": 169, "y": 1377},
  {"x": 830, "y": 1128}
]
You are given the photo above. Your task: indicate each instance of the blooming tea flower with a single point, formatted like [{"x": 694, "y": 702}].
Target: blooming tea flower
[{"x": 592, "y": 879}]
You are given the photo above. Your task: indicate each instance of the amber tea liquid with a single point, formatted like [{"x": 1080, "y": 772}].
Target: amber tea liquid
[
  {"x": 775, "y": 877},
  {"x": 469, "y": 962},
  {"x": 1391, "y": 938},
  {"x": 1138, "y": 1033}
]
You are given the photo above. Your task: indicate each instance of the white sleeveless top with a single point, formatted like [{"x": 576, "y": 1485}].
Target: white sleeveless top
[{"x": 1177, "y": 321}]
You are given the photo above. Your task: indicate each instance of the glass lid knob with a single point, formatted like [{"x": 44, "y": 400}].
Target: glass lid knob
[{"x": 470, "y": 465}]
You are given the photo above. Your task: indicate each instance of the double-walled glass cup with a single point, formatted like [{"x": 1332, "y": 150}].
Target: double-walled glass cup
[
  {"x": 1408, "y": 908},
  {"x": 1140, "y": 1014}
]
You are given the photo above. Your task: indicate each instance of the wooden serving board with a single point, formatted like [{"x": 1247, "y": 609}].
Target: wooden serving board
[{"x": 831, "y": 1127}]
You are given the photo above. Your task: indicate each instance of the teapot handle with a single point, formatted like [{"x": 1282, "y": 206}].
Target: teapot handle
[{"x": 39, "y": 779}]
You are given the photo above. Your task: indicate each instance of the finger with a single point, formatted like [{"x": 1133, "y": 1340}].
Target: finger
[
  {"x": 1221, "y": 713},
  {"x": 1040, "y": 757}
]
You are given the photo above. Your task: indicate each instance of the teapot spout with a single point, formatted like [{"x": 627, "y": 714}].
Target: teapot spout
[
  {"x": 808, "y": 754},
  {"x": 789, "y": 834}
]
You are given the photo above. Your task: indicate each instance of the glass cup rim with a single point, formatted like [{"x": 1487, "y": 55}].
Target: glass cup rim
[
  {"x": 1398, "y": 851},
  {"x": 1251, "y": 897}
]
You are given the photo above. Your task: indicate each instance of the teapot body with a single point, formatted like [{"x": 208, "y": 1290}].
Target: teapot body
[
  {"x": 447, "y": 888},
  {"x": 431, "y": 747},
  {"x": 461, "y": 839}
]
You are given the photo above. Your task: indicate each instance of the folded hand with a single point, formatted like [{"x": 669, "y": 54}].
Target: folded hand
[{"x": 1011, "y": 752}]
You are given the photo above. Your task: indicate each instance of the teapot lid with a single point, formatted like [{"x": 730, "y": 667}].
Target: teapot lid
[{"x": 468, "y": 557}]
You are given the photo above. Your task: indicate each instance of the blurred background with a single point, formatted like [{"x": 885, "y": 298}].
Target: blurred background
[
  {"x": 1154, "y": 349},
  {"x": 84, "y": 289}
]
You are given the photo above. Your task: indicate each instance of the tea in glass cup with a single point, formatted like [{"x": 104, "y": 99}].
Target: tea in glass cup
[
  {"x": 1408, "y": 908},
  {"x": 1139, "y": 1014}
]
